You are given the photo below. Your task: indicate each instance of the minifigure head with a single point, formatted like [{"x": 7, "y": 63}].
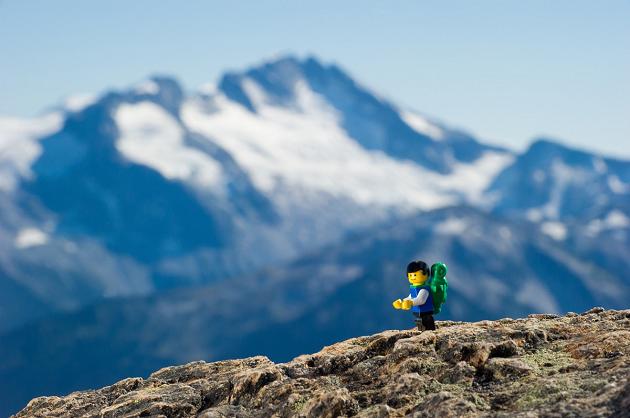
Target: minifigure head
[{"x": 417, "y": 272}]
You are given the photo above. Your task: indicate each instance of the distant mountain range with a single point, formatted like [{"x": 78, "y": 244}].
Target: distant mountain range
[
  {"x": 167, "y": 189},
  {"x": 272, "y": 213}
]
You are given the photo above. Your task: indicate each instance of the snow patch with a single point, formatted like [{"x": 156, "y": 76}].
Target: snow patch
[
  {"x": 30, "y": 237},
  {"x": 474, "y": 178},
  {"x": 614, "y": 220},
  {"x": 616, "y": 185},
  {"x": 422, "y": 125},
  {"x": 78, "y": 102},
  {"x": 149, "y": 135},
  {"x": 19, "y": 146},
  {"x": 256, "y": 94},
  {"x": 555, "y": 230},
  {"x": 562, "y": 175},
  {"x": 148, "y": 87},
  {"x": 534, "y": 215},
  {"x": 599, "y": 165},
  {"x": 451, "y": 226},
  {"x": 208, "y": 89},
  {"x": 305, "y": 147}
]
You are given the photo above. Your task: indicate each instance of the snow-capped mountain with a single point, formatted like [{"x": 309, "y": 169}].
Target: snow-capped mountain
[
  {"x": 166, "y": 188},
  {"x": 563, "y": 185},
  {"x": 577, "y": 198}
]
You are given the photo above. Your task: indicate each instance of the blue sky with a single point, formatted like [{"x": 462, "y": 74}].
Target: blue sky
[{"x": 505, "y": 70}]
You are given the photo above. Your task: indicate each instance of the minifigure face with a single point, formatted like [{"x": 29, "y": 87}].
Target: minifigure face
[{"x": 417, "y": 277}]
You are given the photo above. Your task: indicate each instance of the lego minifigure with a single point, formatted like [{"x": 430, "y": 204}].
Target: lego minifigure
[{"x": 427, "y": 292}]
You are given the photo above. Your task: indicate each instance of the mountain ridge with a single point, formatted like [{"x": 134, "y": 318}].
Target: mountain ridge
[{"x": 544, "y": 364}]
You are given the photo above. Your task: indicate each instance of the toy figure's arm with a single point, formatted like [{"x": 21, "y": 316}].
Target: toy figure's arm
[
  {"x": 422, "y": 297},
  {"x": 405, "y": 303}
]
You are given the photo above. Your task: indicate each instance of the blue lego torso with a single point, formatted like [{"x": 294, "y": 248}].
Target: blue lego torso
[{"x": 428, "y": 305}]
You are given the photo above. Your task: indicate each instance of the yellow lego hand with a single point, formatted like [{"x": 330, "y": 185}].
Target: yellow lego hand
[
  {"x": 397, "y": 304},
  {"x": 407, "y": 304}
]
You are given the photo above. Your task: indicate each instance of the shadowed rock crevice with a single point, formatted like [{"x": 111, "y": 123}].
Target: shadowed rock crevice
[{"x": 543, "y": 365}]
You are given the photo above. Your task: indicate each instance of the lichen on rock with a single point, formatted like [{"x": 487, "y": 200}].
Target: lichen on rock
[{"x": 543, "y": 365}]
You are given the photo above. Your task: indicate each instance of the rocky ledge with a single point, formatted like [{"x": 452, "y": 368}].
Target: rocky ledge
[{"x": 543, "y": 365}]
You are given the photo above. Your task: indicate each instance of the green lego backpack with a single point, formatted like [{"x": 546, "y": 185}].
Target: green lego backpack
[{"x": 439, "y": 285}]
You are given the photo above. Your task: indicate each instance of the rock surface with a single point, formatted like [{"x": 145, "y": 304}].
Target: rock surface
[{"x": 543, "y": 365}]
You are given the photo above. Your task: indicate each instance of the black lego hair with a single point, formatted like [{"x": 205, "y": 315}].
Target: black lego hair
[{"x": 418, "y": 265}]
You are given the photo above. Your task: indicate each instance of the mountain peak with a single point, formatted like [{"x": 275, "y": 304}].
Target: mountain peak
[
  {"x": 541, "y": 365},
  {"x": 543, "y": 150},
  {"x": 163, "y": 89},
  {"x": 308, "y": 85},
  {"x": 292, "y": 65},
  {"x": 545, "y": 144},
  {"x": 286, "y": 62},
  {"x": 277, "y": 78}
]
